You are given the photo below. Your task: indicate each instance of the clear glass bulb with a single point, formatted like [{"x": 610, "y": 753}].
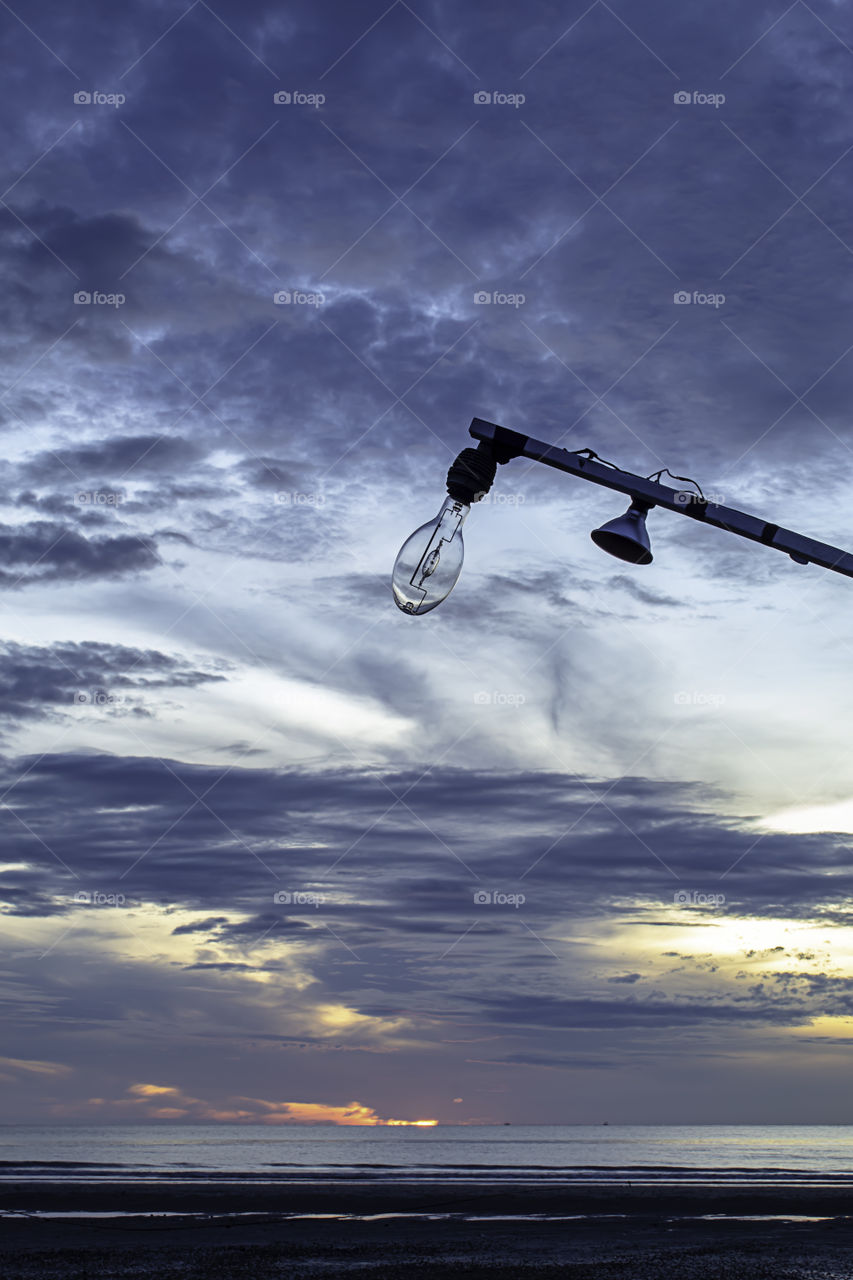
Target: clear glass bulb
[{"x": 430, "y": 561}]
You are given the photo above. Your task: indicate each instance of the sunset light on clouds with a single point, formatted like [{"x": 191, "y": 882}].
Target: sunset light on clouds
[{"x": 164, "y": 1102}]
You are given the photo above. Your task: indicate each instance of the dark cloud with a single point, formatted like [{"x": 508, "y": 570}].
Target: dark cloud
[
  {"x": 200, "y": 926},
  {"x": 36, "y": 681},
  {"x": 259, "y": 927},
  {"x": 204, "y": 836},
  {"x": 645, "y": 597},
  {"x": 45, "y": 552},
  {"x": 112, "y": 459}
]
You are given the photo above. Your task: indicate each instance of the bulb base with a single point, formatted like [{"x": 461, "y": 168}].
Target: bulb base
[{"x": 472, "y": 474}]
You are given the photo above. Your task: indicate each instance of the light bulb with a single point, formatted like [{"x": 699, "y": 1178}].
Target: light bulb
[{"x": 430, "y": 561}]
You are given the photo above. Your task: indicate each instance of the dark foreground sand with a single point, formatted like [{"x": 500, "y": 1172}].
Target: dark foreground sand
[{"x": 648, "y": 1243}]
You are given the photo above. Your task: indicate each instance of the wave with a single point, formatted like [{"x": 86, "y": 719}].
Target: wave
[{"x": 633, "y": 1176}]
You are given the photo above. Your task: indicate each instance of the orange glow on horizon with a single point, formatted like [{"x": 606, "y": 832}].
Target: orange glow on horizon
[
  {"x": 166, "y": 1102},
  {"x": 416, "y": 1124}
]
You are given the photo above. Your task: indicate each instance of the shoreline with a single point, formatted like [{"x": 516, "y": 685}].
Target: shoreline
[
  {"x": 647, "y": 1246},
  {"x": 233, "y": 1230},
  {"x": 282, "y": 1196}
]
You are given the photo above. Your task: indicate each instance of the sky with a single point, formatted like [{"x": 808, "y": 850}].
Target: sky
[{"x": 575, "y": 846}]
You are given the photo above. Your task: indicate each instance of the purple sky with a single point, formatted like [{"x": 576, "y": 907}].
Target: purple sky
[{"x": 573, "y": 847}]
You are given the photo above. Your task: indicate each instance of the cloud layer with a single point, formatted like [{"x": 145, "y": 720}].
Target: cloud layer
[{"x": 262, "y": 270}]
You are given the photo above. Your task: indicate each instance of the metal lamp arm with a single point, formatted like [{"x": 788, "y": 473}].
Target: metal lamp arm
[{"x": 506, "y": 444}]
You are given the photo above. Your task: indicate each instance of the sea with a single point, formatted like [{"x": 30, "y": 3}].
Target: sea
[{"x": 570, "y": 1155}]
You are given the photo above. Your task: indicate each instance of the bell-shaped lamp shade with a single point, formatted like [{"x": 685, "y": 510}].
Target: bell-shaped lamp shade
[{"x": 626, "y": 537}]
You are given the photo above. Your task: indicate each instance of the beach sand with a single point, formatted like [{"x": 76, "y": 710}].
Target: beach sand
[{"x": 649, "y": 1242}]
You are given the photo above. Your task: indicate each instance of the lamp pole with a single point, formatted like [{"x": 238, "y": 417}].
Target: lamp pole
[{"x": 430, "y": 561}]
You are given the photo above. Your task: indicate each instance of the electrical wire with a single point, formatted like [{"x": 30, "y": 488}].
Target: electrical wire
[
  {"x": 665, "y": 471},
  {"x": 656, "y": 475},
  {"x": 595, "y": 457}
]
